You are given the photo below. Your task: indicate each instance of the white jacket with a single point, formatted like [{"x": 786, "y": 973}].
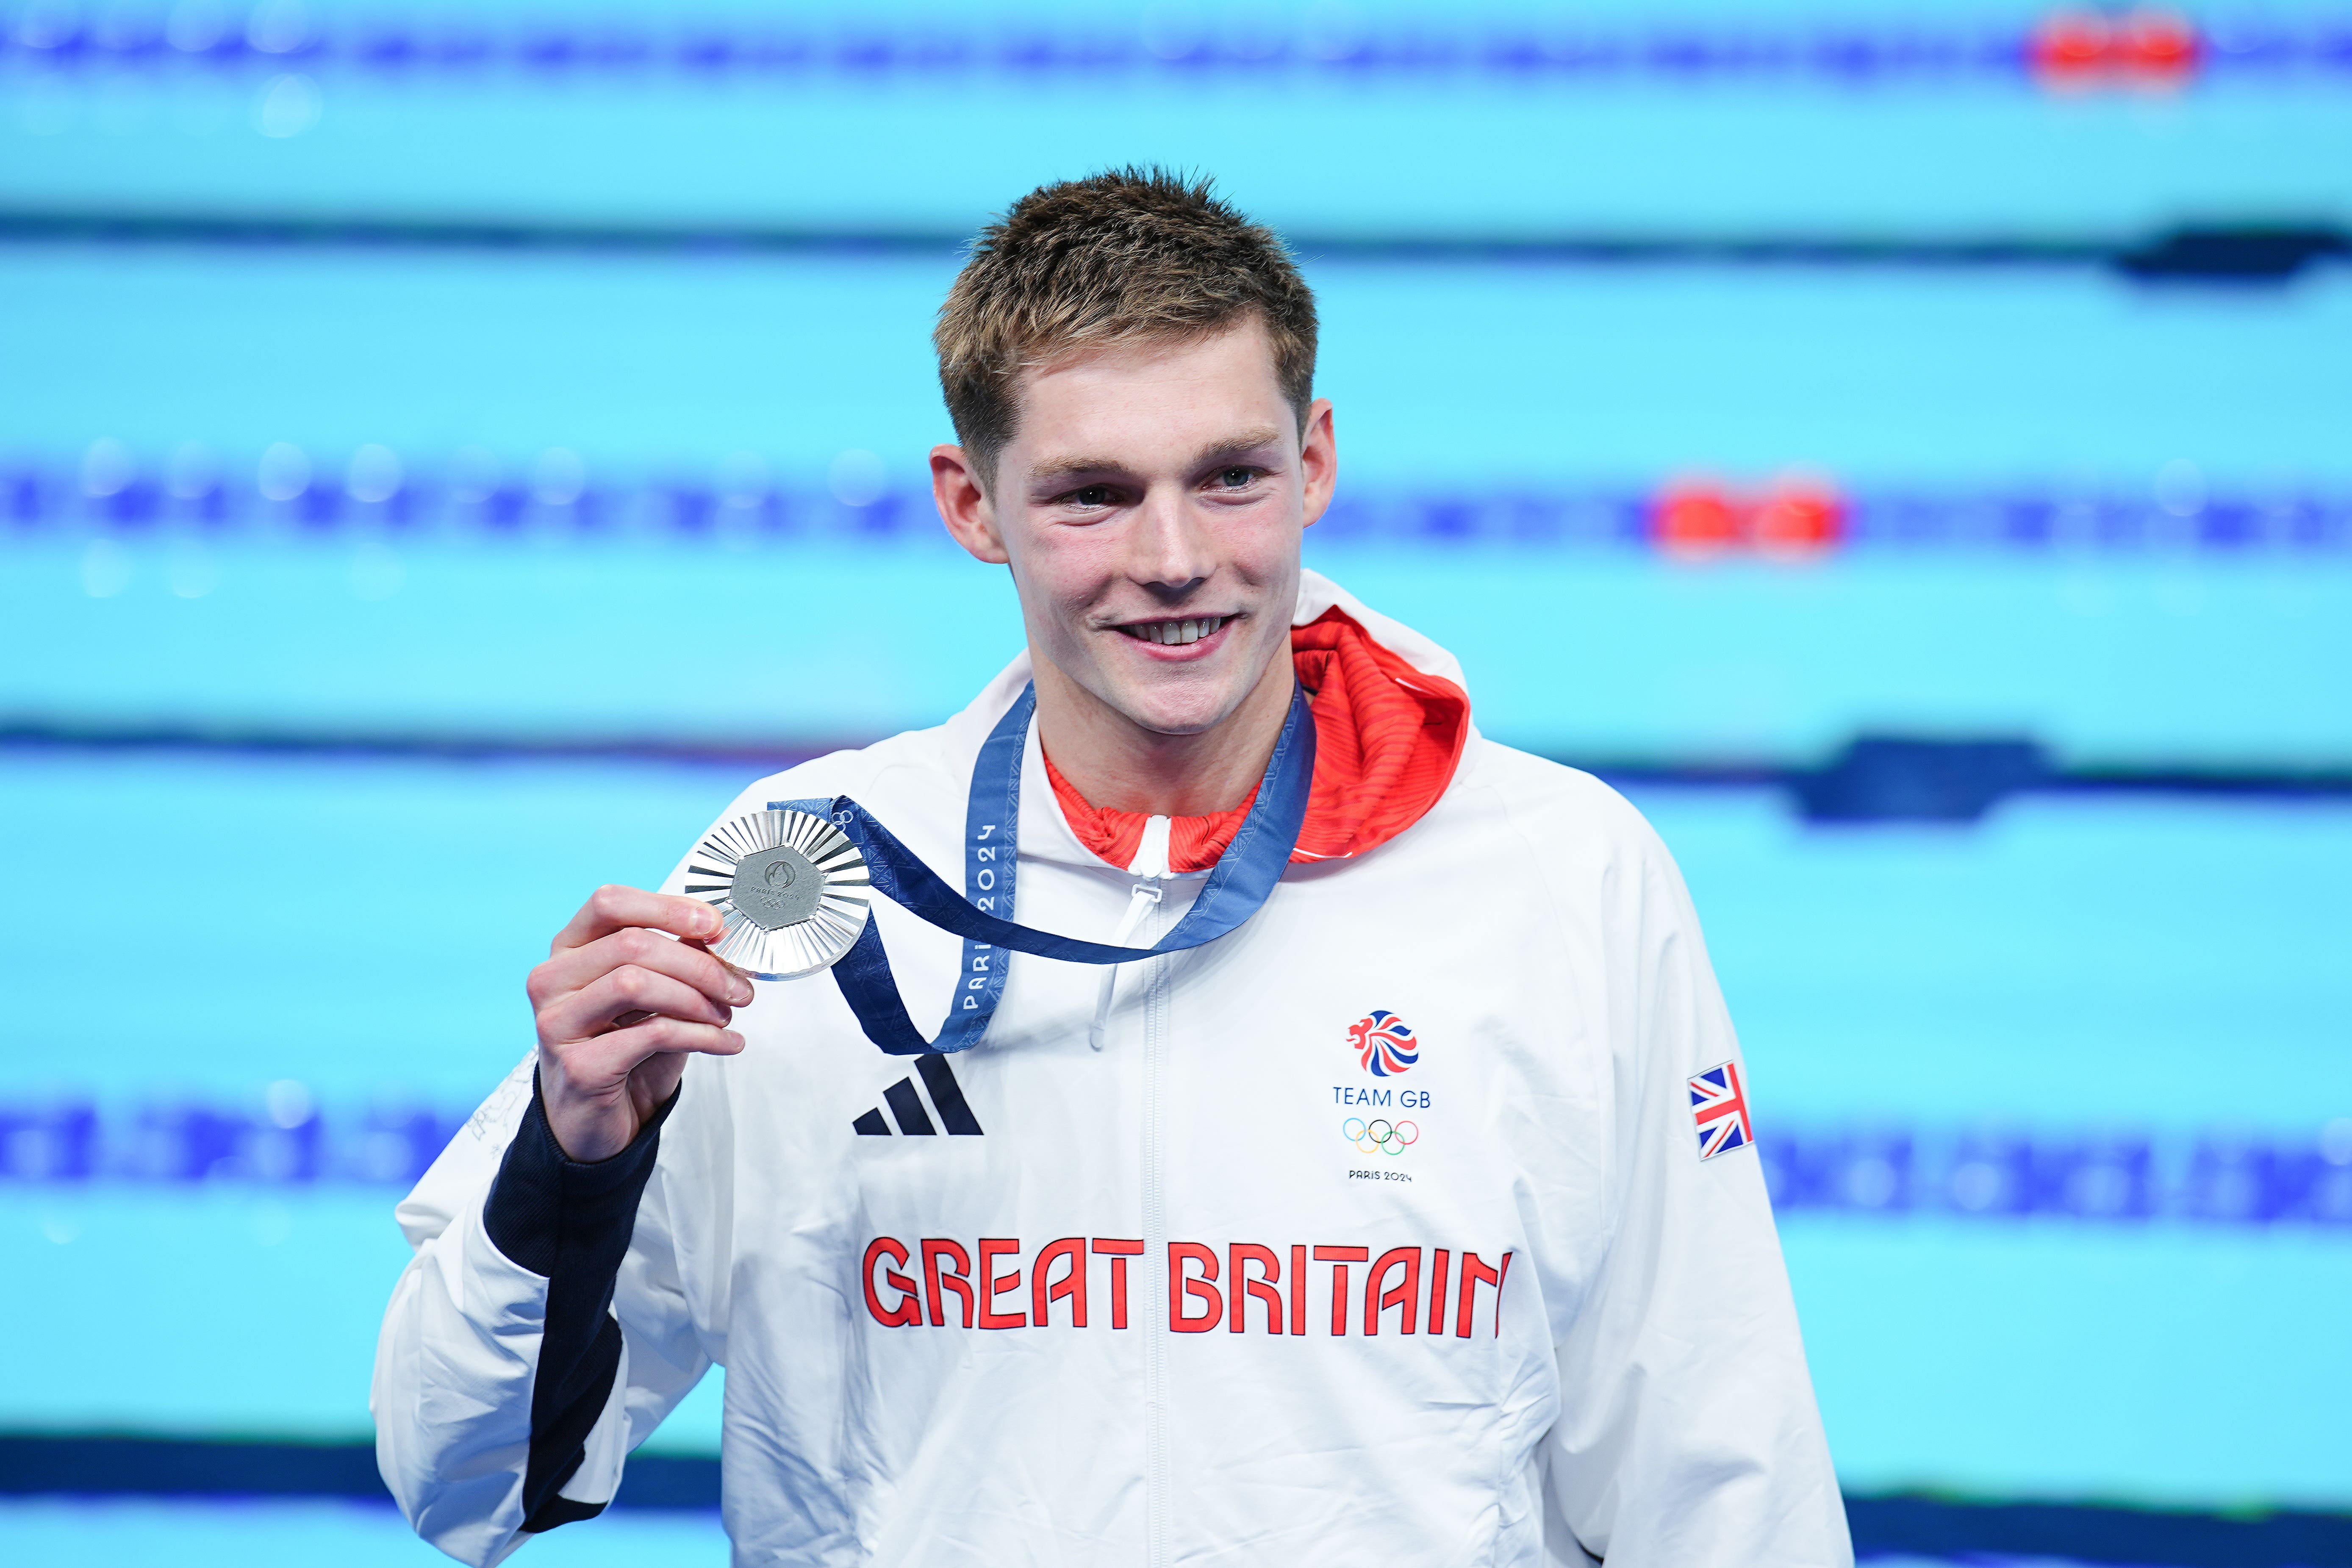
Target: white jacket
[{"x": 1535, "y": 1327}]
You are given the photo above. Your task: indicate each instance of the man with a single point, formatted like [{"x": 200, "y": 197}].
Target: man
[{"x": 1410, "y": 1220}]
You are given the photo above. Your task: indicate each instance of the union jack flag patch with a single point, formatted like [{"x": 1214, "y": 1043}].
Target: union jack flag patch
[{"x": 1720, "y": 1107}]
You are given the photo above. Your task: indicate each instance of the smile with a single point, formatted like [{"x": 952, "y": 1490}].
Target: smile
[{"x": 1175, "y": 634}]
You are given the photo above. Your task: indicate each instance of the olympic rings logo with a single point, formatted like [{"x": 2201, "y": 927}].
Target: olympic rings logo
[{"x": 1380, "y": 1136}]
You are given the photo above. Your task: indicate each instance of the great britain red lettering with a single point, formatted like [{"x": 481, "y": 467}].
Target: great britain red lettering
[{"x": 1408, "y": 1290}]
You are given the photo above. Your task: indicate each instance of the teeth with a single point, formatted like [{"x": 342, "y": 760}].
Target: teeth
[{"x": 1176, "y": 633}]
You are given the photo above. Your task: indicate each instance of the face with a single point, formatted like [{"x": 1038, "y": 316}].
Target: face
[{"x": 1151, "y": 506}]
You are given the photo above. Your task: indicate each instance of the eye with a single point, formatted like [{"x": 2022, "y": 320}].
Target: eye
[
  {"x": 1090, "y": 495},
  {"x": 1237, "y": 478}
]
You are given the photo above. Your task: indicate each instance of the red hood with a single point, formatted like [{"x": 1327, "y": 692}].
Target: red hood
[{"x": 1386, "y": 739}]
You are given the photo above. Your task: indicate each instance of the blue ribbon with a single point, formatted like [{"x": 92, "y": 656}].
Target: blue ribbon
[{"x": 1243, "y": 879}]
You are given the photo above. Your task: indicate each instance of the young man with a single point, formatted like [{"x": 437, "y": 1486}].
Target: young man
[{"x": 1411, "y": 1219}]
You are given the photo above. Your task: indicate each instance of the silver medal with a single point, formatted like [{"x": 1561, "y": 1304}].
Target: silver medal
[{"x": 792, "y": 886}]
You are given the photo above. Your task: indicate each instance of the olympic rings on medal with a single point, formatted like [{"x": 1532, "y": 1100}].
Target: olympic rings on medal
[{"x": 1380, "y": 1136}]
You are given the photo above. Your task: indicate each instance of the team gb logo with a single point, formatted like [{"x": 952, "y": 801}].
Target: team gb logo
[{"x": 1384, "y": 1043}]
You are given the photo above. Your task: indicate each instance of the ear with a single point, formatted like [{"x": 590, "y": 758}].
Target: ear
[
  {"x": 1319, "y": 459},
  {"x": 964, "y": 505}
]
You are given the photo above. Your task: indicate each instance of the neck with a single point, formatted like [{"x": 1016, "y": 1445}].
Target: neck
[{"x": 1119, "y": 765}]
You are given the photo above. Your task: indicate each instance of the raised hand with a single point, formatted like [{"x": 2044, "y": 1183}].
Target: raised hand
[{"x": 619, "y": 1005}]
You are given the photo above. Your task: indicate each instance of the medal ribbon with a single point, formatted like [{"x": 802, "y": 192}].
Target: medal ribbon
[{"x": 1243, "y": 879}]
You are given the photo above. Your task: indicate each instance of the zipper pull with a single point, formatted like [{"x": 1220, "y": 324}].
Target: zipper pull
[
  {"x": 1152, "y": 855},
  {"x": 1151, "y": 864}
]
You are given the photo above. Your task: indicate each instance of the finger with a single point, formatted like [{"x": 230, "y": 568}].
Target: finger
[
  {"x": 601, "y": 1064},
  {"x": 702, "y": 944},
  {"x": 616, "y": 907},
  {"x": 696, "y": 965},
  {"x": 596, "y": 1007}
]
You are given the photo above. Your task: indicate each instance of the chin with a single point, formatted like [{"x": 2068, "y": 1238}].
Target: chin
[{"x": 1188, "y": 712}]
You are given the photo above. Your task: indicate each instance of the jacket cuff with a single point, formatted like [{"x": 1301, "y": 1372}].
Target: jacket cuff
[{"x": 545, "y": 1204}]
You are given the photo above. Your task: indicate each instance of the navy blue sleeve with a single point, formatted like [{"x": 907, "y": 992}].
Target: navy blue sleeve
[{"x": 570, "y": 1222}]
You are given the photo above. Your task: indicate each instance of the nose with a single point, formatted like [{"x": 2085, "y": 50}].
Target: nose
[{"x": 1168, "y": 548}]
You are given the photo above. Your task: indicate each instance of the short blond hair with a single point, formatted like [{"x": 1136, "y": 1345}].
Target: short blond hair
[{"x": 1127, "y": 256}]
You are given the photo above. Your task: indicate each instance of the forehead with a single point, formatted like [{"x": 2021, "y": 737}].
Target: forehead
[{"x": 1151, "y": 396}]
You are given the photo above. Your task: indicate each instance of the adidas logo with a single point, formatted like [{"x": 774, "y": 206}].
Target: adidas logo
[{"x": 907, "y": 1108}]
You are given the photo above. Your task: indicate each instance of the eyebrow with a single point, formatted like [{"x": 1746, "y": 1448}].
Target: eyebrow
[{"x": 1231, "y": 446}]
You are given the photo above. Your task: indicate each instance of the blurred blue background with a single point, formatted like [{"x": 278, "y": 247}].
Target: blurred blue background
[{"x": 1907, "y": 443}]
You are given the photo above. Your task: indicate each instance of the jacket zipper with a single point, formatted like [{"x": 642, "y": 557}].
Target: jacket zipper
[
  {"x": 1158, "y": 1507},
  {"x": 1152, "y": 864}
]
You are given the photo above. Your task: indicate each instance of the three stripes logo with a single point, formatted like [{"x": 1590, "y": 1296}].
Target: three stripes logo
[{"x": 915, "y": 1120}]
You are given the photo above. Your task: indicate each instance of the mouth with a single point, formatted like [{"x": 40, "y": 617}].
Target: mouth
[{"x": 1181, "y": 633}]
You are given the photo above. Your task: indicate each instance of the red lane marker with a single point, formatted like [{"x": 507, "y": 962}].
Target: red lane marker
[
  {"x": 2078, "y": 50},
  {"x": 1694, "y": 517},
  {"x": 2158, "y": 48},
  {"x": 2070, "y": 48},
  {"x": 1797, "y": 516},
  {"x": 1800, "y": 516}
]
